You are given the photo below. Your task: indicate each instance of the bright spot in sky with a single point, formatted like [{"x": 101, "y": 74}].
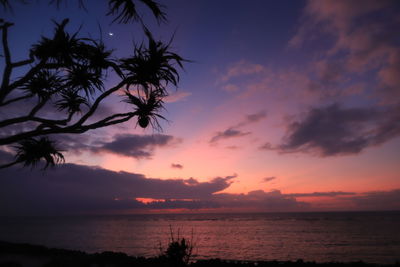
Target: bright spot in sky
[{"x": 111, "y": 34}]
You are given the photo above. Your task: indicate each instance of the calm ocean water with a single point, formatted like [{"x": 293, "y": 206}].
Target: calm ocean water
[{"x": 346, "y": 236}]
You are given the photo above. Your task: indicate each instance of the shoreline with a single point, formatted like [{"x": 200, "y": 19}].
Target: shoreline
[{"x": 29, "y": 255}]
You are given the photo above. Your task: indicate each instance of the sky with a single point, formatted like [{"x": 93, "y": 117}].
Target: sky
[{"x": 283, "y": 106}]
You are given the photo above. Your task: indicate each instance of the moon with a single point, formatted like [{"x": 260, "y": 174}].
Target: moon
[{"x": 111, "y": 34}]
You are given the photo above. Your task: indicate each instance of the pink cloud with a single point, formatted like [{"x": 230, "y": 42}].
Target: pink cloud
[
  {"x": 241, "y": 68},
  {"x": 230, "y": 88},
  {"x": 365, "y": 41},
  {"x": 390, "y": 79},
  {"x": 177, "y": 96},
  {"x": 333, "y": 16}
]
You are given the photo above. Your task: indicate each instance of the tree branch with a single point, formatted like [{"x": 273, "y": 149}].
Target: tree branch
[
  {"x": 97, "y": 102},
  {"x": 108, "y": 120},
  {"x": 7, "y": 56},
  {"x": 36, "y": 119},
  {"x": 5, "y": 103},
  {"x": 7, "y": 89},
  {"x": 39, "y": 105},
  {"x": 75, "y": 128},
  {"x": 23, "y": 62},
  {"x": 9, "y": 164},
  {"x": 23, "y": 80}
]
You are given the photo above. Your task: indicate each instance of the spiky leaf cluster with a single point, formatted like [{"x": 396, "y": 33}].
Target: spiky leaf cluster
[
  {"x": 147, "y": 108},
  {"x": 60, "y": 49},
  {"x": 126, "y": 11},
  {"x": 152, "y": 67},
  {"x": 42, "y": 84},
  {"x": 150, "y": 70},
  {"x": 31, "y": 151},
  {"x": 71, "y": 101}
]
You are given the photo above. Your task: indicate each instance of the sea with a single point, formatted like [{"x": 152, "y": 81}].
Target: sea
[{"x": 372, "y": 237}]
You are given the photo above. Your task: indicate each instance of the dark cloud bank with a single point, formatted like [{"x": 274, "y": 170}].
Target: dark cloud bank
[
  {"x": 77, "y": 189},
  {"x": 74, "y": 188}
]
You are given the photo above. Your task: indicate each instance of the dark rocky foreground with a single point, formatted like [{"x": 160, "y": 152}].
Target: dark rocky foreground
[{"x": 26, "y": 255}]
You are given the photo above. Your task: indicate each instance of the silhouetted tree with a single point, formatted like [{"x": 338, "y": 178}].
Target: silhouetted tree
[{"x": 66, "y": 72}]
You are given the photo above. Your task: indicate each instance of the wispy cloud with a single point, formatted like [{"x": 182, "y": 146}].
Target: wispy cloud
[
  {"x": 177, "y": 96},
  {"x": 251, "y": 118},
  {"x": 228, "y": 133},
  {"x": 230, "y": 88},
  {"x": 239, "y": 69},
  {"x": 268, "y": 179},
  {"x": 234, "y": 131}
]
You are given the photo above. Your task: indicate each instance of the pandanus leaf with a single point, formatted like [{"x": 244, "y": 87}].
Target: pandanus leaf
[
  {"x": 31, "y": 151},
  {"x": 59, "y": 49},
  {"x": 125, "y": 10},
  {"x": 43, "y": 84},
  {"x": 152, "y": 66},
  {"x": 71, "y": 101},
  {"x": 146, "y": 109},
  {"x": 81, "y": 77}
]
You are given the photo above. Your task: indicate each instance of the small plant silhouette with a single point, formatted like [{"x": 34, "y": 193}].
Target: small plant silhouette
[{"x": 179, "y": 251}]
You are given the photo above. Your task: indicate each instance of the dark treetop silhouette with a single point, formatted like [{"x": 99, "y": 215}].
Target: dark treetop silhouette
[{"x": 66, "y": 73}]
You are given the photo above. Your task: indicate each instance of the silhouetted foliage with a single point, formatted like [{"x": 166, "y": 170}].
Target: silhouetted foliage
[
  {"x": 30, "y": 151},
  {"x": 146, "y": 108},
  {"x": 179, "y": 250},
  {"x": 125, "y": 10},
  {"x": 66, "y": 72}
]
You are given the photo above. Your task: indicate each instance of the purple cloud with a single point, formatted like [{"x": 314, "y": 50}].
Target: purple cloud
[
  {"x": 77, "y": 189},
  {"x": 71, "y": 189},
  {"x": 255, "y": 201},
  {"x": 334, "y": 130},
  {"x": 136, "y": 146},
  {"x": 268, "y": 179},
  {"x": 233, "y": 131},
  {"x": 323, "y": 194},
  {"x": 228, "y": 133},
  {"x": 130, "y": 145},
  {"x": 176, "y": 166},
  {"x": 378, "y": 200},
  {"x": 256, "y": 117},
  {"x": 261, "y": 201},
  {"x": 364, "y": 41}
]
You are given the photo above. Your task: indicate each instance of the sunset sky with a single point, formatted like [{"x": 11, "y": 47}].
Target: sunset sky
[{"x": 285, "y": 106}]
